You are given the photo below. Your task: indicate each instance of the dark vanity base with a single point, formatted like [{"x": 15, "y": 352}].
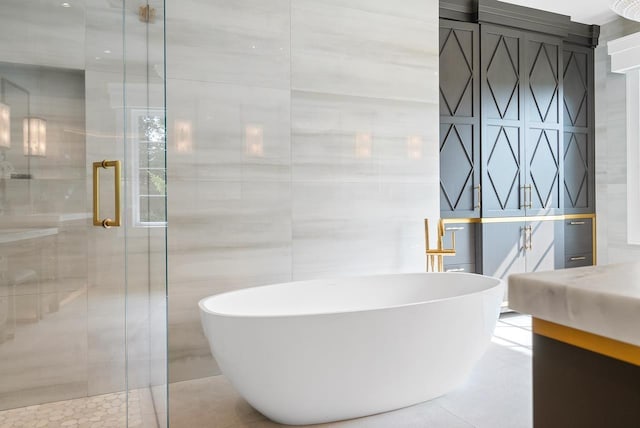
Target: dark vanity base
[{"x": 573, "y": 387}]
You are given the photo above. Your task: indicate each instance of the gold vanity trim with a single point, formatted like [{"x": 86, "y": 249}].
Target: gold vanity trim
[
  {"x": 592, "y": 342},
  {"x": 533, "y": 218}
]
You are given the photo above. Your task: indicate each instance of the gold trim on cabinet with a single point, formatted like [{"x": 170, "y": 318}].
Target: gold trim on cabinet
[
  {"x": 592, "y": 342},
  {"x": 535, "y": 218},
  {"x": 107, "y": 222}
]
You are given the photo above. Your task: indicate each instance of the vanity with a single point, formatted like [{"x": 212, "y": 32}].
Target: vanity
[{"x": 586, "y": 344}]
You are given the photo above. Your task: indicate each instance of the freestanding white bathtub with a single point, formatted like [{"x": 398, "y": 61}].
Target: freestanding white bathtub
[{"x": 326, "y": 350}]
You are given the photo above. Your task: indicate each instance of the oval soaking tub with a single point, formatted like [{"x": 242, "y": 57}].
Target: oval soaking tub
[{"x": 326, "y": 350}]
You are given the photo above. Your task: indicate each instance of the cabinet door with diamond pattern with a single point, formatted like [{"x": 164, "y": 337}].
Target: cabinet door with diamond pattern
[
  {"x": 543, "y": 124},
  {"x": 459, "y": 119},
  {"x": 502, "y": 88},
  {"x": 579, "y": 131}
]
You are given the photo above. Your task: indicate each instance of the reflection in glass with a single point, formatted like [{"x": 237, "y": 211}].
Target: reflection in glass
[
  {"x": 149, "y": 183},
  {"x": 34, "y": 133},
  {"x": 5, "y": 126}
]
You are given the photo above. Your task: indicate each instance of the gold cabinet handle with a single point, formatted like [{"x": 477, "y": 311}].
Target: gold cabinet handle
[
  {"x": 575, "y": 259},
  {"x": 479, "y": 196},
  {"x": 527, "y": 196},
  {"x": 107, "y": 222},
  {"x": 528, "y": 237}
]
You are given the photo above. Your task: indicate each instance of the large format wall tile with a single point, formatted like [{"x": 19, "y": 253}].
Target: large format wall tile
[
  {"x": 340, "y": 48},
  {"x": 228, "y": 132},
  {"x": 46, "y": 358},
  {"x": 43, "y": 33},
  {"x": 242, "y": 42},
  {"x": 315, "y": 165},
  {"x": 358, "y": 228},
  {"x": 341, "y": 138},
  {"x": 611, "y": 151}
]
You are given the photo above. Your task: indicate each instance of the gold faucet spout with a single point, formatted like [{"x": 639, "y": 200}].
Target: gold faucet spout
[{"x": 435, "y": 257}]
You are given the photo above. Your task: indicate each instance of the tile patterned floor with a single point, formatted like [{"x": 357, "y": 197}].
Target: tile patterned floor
[
  {"x": 496, "y": 395},
  {"x": 101, "y": 411}
]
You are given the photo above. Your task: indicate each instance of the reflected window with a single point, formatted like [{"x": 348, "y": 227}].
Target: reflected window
[{"x": 149, "y": 168}]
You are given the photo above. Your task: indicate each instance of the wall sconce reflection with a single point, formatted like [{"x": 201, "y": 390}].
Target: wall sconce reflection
[
  {"x": 34, "y": 130},
  {"x": 254, "y": 140},
  {"x": 414, "y": 147},
  {"x": 183, "y": 136},
  {"x": 5, "y": 126},
  {"x": 364, "y": 145}
]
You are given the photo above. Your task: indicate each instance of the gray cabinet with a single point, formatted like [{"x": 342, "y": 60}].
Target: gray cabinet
[
  {"x": 516, "y": 136},
  {"x": 579, "y": 130},
  {"x": 522, "y": 246},
  {"x": 466, "y": 236},
  {"x": 578, "y": 242},
  {"x": 543, "y": 123},
  {"x": 521, "y": 123},
  {"x": 510, "y": 247},
  {"x": 459, "y": 119},
  {"x": 502, "y": 122}
]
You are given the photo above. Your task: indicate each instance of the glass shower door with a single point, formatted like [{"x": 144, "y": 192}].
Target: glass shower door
[{"x": 82, "y": 214}]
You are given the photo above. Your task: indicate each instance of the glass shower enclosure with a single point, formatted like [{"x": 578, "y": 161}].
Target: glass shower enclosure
[{"x": 83, "y": 282}]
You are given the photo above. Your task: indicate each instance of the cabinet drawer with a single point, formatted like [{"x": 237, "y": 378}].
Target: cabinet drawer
[
  {"x": 467, "y": 268},
  {"x": 578, "y": 260},
  {"x": 465, "y": 243},
  {"x": 578, "y": 236}
]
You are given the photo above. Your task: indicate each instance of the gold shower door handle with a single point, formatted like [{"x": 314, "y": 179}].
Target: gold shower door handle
[{"x": 107, "y": 222}]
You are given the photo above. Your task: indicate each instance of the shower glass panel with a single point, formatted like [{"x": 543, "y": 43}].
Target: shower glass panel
[{"x": 82, "y": 146}]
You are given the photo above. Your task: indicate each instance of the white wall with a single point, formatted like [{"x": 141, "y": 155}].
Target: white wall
[
  {"x": 337, "y": 87},
  {"x": 611, "y": 151}
]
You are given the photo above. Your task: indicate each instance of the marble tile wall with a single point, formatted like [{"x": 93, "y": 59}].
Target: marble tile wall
[
  {"x": 43, "y": 328},
  {"x": 312, "y": 147},
  {"x": 611, "y": 157}
]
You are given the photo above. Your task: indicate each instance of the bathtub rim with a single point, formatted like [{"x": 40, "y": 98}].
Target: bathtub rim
[{"x": 201, "y": 303}]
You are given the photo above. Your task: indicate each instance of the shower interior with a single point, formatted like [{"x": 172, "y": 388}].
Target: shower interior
[{"x": 82, "y": 307}]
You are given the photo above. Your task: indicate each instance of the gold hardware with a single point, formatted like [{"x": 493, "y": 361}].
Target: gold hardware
[
  {"x": 107, "y": 222},
  {"x": 146, "y": 14},
  {"x": 479, "y": 195},
  {"x": 435, "y": 257},
  {"x": 577, "y": 223},
  {"x": 528, "y": 204},
  {"x": 487, "y": 220},
  {"x": 518, "y": 219},
  {"x": 528, "y": 237},
  {"x": 575, "y": 259}
]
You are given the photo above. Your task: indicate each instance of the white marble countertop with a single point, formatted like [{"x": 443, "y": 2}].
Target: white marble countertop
[
  {"x": 603, "y": 300},
  {"x": 15, "y": 235}
]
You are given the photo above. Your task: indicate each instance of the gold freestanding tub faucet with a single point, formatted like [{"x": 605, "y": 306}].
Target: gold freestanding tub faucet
[{"x": 435, "y": 257}]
